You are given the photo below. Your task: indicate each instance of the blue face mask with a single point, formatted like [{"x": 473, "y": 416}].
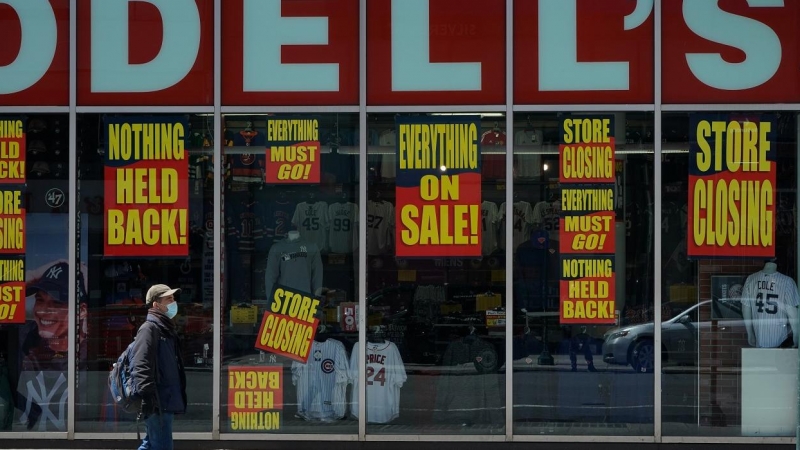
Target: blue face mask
[{"x": 172, "y": 309}]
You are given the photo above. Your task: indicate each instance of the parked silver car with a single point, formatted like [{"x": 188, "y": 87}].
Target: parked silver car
[{"x": 633, "y": 344}]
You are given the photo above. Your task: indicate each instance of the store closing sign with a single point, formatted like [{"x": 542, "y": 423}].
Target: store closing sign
[
  {"x": 587, "y": 240},
  {"x": 289, "y": 325},
  {"x": 419, "y": 52},
  {"x": 146, "y": 187},
  {"x": 732, "y": 174},
  {"x": 438, "y": 187}
]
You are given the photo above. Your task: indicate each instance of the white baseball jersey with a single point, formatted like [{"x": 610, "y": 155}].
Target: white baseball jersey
[
  {"x": 489, "y": 219},
  {"x": 311, "y": 220},
  {"x": 343, "y": 227},
  {"x": 528, "y": 165},
  {"x": 388, "y": 162},
  {"x": 380, "y": 223},
  {"x": 322, "y": 382},
  {"x": 548, "y": 214},
  {"x": 768, "y": 296},
  {"x": 522, "y": 220},
  {"x": 386, "y": 374}
]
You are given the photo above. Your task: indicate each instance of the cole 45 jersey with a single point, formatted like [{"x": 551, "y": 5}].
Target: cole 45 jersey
[{"x": 311, "y": 220}]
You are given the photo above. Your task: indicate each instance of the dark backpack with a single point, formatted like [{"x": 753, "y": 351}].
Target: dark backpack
[{"x": 120, "y": 381}]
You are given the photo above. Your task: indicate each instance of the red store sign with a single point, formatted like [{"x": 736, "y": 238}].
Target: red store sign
[{"x": 419, "y": 52}]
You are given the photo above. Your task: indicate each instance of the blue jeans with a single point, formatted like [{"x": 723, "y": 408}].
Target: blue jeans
[{"x": 158, "y": 432}]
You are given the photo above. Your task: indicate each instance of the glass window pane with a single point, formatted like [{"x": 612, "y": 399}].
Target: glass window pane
[
  {"x": 145, "y": 193},
  {"x": 583, "y": 310},
  {"x": 729, "y": 249},
  {"x": 436, "y": 311},
  {"x": 290, "y": 272},
  {"x": 34, "y": 328}
]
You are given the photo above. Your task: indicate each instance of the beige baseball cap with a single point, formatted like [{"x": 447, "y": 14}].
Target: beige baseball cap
[{"x": 158, "y": 291}]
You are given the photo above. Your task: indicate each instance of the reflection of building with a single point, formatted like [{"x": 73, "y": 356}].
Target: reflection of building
[{"x": 427, "y": 312}]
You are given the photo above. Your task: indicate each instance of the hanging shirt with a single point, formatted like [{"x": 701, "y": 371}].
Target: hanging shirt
[
  {"x": 294, "y": 264},
  {"x": 386, "y": 374},
  {"x": 343, "y": 229},
  {"x": 322, "y": 382},
  {"x": 311, "y": 219}
]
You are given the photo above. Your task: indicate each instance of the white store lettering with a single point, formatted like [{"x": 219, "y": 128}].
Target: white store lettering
[
  {"x": 38, "y": 47},
  {"x": 111, "y": 71},
  {"x": 412, "y": 70}
]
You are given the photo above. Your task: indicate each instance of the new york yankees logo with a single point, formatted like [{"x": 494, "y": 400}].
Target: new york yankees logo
[{"x": 54, "y": 272}]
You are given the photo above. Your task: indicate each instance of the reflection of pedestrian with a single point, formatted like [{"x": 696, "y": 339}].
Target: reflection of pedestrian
[{"x": 580, "y": 343}]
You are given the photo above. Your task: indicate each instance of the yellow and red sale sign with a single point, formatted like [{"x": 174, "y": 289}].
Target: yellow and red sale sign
[
  {"x": 587, "y": 241},
  {"x": 255, "y": 398},
  {"x": 732, "y": 175},
  {"x": 438, "y": 187},
  {"x": 146, "y": 187},
  {"x": 12, "y": 151},
  {"x": 13, "y": 241},
  {"x": 293, "y": 151},
  {"x": 289, "y": 326}
]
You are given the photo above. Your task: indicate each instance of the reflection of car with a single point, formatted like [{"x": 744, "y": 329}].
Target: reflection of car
[{"x": 634, "y": 344}]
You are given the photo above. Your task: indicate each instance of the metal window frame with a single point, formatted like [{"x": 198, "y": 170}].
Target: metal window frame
[
  {"x": 509, "y": 108},
  {"x": 509, "y": 256}
]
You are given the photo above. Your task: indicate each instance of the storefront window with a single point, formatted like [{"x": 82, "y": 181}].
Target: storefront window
[
  {"x": 435, "y": 356},
  {"x": 290, "y": 272},
  {"x": 729, "y": 262},
  {"x": 583, "y": 268},
  {"x": 34, "y": 343},
  {"x": 145, "y": 196}
]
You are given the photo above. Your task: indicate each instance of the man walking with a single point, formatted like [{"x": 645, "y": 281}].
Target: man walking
[{"x": 157, "y": 369}]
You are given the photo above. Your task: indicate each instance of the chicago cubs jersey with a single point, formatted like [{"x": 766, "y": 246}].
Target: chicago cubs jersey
[
  {"x": 380, "y": 222},
  {"x": 489, "y": 219},
  {"x": 322, "y": 382},
  {"x": 547, "y": 214},
  {"x": 385, "y": 376},
  {"x": 768, "y": 296},
  {"x": 342, "y": 226},
  {"x": 522, "y": 220},
  {"x": 311, "y": 219}
]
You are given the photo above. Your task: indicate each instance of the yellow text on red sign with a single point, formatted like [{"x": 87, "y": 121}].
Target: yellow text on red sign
[
  {"x": 289, "y": 326},
  {"x": 429, "y": 224},
  {"x": 294, "y": 162},
  {"x": 253, "y": 395},
  {"x": 12, "y": 222},
  {"x": 146, "y": 193},
  {"x": 587, "y": 154},
  {"x": 733, "y": 207},
  {"x": 12, "y": 149},
  {"x": 587, "y": 290},
  {"x": 12, "y": 291},
  {"x": 293, "y": 151}
]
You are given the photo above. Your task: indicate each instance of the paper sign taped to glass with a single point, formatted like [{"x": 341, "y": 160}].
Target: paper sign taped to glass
[{"x": 289, "y": 324}]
